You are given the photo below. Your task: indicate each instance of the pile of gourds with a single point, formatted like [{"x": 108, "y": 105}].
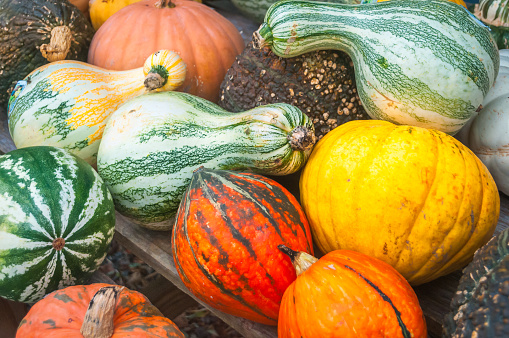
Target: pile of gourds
[{"x": 389, "y": 202}]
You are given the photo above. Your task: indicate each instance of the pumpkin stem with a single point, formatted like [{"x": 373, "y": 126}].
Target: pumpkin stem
[
  {"x": 262, "y": 37},
  {"x": 302, "y": 138},
  {"x": 98, "y": 322},
  {"x": 59, "y": 45},
  {"x": 165, "y": 4},
  {"x": 301, "y": 260}
]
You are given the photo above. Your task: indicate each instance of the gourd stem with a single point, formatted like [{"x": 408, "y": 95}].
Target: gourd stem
[
  {"x": 301, "y": 260},
  {"x": 59, "y": 45},
  {"x": 302, "y": 138},
  {"x": 154, "y": 81},
  {"x": 262, "y": 37},
  {"x": 98, "y": 322},
  {"x": 165, "y": 4}
]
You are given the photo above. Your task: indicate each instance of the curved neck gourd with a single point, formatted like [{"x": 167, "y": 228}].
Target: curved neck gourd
[{"x": 425, "y": 63}]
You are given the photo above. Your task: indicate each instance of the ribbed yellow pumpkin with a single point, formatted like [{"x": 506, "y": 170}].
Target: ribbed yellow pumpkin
[{"x": 415, "y": 198}]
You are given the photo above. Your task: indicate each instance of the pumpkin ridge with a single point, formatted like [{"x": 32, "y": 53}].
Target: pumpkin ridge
[
  {"x": 404, "y": 329},
  {"x": 423, "y": 201}
]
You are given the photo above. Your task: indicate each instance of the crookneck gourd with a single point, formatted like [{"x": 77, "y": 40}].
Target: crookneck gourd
[
  {"x": 65, "y": 104},
  {"x": 33, "y": 33},
  {"x": 480, "y": 307},
  {"x": 225, "y": 239},
  {"x": 348, "y": 294},
  {"x": 413, "y": 197},
  {"x": 495, "y": 14},
  {"x": 57, "y": 222},
  {"x": 321, "y": 84},
  {"x": 153, "y": 143},
  {"x": 422, "y": 63}
]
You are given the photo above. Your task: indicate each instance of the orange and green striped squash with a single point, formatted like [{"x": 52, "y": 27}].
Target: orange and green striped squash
[
  {"x": 225, "y": 240},
  {"x": 66, "y": 103},
  {"x": 348, "y": 294},
  {"x": 72, "y": 312}
]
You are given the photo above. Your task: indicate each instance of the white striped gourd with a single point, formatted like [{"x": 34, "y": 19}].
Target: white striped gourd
[
  {"x": 65, "y": 104},
  {"x": 153, "y": 143},
  {"x": 423, "y": 63}
]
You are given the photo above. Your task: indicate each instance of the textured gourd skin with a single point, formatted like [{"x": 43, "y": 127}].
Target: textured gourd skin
[
  {"x": 61, "y": 314},
  {"x": 25, "y": 26},
  {"x": 430, "y": 65},
  {"x": 225, "y": 240},
  {"x": 152, "y": 144},
  {"x": 480, "y": 307},
  {"x": 349, "y": 294},
  {"x": 415, "y": 198},
  {"x": 494, "y": 13}
]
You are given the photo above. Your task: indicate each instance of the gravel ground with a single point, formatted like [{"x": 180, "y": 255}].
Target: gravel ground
[{"x": 128, "y": 270}]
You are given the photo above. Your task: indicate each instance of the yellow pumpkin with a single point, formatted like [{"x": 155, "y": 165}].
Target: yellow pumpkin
[
  {"x": 101, "y": 10},
  {"x": 415, "y": 198}
]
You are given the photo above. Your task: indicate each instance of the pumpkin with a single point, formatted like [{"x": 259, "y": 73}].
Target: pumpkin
[
  {"x": 415, "y": 198},
  {"x": 57, "y": 221},
  {"x": 494, "y": 14},
  {"x": 321, "y": 84},
  {"x": 34, "y": 33},
  {"x": 82, "y": 6},
  {"x": 101, "y": 10},
  {"x": 206, "y": 41},
  {"x": 348, "y": 294},
  {"x": 225, "y": 242},
  {"x": 486, "y": 134},
  {"x": 480, "y": 307},
  {"x": 96, "y": 310},
  {"x": 65, "y": 104},
  {"x": 153, "y": 143}
]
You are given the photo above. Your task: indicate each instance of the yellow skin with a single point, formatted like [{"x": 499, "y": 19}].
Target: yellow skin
[{"x": 415, "y": 198}]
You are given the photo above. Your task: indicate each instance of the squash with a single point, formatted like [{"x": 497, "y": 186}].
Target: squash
[
  {"x": 348, "y": 294},
  {"x": 96, "y": 310},
  {"x": 206, "y": 41},
  {"x": 225, "y": 240},
  {"x": 153, "y": 143},
  {"x": 381, "y": 38},
  {"x": 35, "y": 33},
  {"x": 65, "y": 104},
  {"x": 82, "y": 6},
  {"x": 459, "y": 2},
  {"x": 57, "y": 221},
  {"x": 415, "y": 198},
  {"x": 487, "y": 133},
  {"x": 321, "y": 84},
  {"x": 480, "y": 305},
  {"x": 494, "y": 14},
  {"x": 101, "y": 10}
]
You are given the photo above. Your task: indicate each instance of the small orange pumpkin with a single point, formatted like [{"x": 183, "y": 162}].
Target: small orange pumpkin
[
  {"x": 96, "y": 310},
  {"x": 206, "y": 41},
  {"x": 348, "y": 294}
]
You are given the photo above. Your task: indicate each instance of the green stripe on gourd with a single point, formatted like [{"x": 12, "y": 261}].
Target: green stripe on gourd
[
  {"x": 171, "y": 134},
  {"x": 495, "y": 14},
  {"x": 57, "y": 219},
  {"x": 424, "y": 63}
]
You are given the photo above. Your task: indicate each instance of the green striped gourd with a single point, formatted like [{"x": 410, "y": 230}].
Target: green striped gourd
[
  {"x": 65, "y": 104},
  {"x": 153, "y": 143},
  {"x": 57, "y": 220},
  {"x": 495, "y": 14},
  {"x": 423, "y": 63}
]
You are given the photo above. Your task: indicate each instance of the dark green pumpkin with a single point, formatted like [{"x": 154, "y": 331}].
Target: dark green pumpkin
[
  {"x": 480, "y": 307},
  {"x": 25, "y": 26}
]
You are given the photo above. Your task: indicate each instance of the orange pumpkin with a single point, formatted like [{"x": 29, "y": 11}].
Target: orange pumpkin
[
  {"x": 82, "y": 5},
  {"x": 348, "y": 294},
  {"x": 207, "y": 42},
  {"x": 96, "y": 310}
]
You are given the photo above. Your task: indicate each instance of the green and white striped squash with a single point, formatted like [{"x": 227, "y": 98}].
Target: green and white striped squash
[
  {"x": 65, "y": 104},
  {"x": 57, "y": 220},
  {"x": 495, "y": 14},
  {"x": 153, "y": 143},
  {"x": 422, "y": 63}
]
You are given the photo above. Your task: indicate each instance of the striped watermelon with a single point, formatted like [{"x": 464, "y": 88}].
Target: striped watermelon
[
  {"x": 153, "y": 143},
  {"x": 423, "y": 63},
  {"x": 56, "y": 222},
  {"x": 225, "y": 240}
]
